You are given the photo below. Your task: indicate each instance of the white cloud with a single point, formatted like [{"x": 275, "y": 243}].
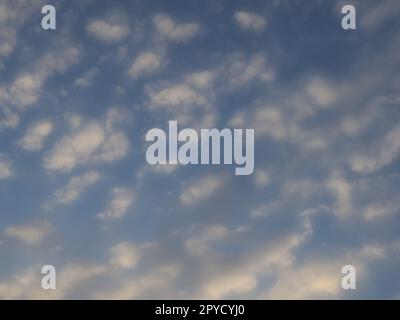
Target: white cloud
[
  {"x": 76, "y": 147},
  {"x": 250, "y": 21},
  {"x": 240, "y": 70},
  {"x": 321, "y": 92},
  {"x": 31, "y": 234},
  {"x": 115, "y": 147},
  {"x": 117, "y": 116},
  {"x": 74, "y": 120},
  {"x": 199, "y": 245},
  {"x": 387, "y": 151},
  {"x": 13, "y": 16},
  {"x": 178, "y": 32},
  {"x": 320, "y": 278},
  {"x": 242, "y": 277},
  {"x": 86, "y": 79},
  {"x": 261, "y": 178},
  {"x": 36, "y": 135},
  {"x": 201, "y": 190},
  {"x": 267, "y": 120},
  {"x": 378, "y": 211},
  {"x": 180, "y": 95},
  {"x": 201, "y": 79},
  {"x": 89, "y": 142},
  {"x": 157, "y": 282},
  {"x": 164, "y": 168},
  {"x": 145, "y": 63},
  {"x": 190, "y": 98},
  {"x": 107, "y": 32},
  {"x": 125, "y": 255},
  {"x": 187, "y": 99},
  {"x": 26, "y": 89},
  {"x": 6, "y": 170},
  {"x": 122, "y": 200},
  {"x": 9, "y": 119},
  {"x": 76, "y": 187},
  {"x": 342, "y": 190},
  {"x": 377, "y": 13},
  {"x": 314, "y": 280},
  {"x": 373, "y": 252},
  {"x": 353, "y": 125}
]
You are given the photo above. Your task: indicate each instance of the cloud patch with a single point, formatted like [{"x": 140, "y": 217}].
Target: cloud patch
[
  {"x": 30, "y": 234},
  {"x": 36, "y": 135},
  {"x": 106, "y": 31},
  {"x": 122, "y": 199},
  {"x": 250, "y": 21},
  {"x": 173, "y": 31}
]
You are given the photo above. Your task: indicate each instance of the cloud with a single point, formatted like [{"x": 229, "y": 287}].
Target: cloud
[
  {"x": 122, "y": 199},
  {"x": 385, "y": 153},
  {"x": 242, "y": 277},
  {"x": 145, "y": 63},
  {"x": 342, "y": 190},
  {"x": 6, "y": 170},
  {"x": 13, "y": 16},
  {"x": 9, "y": 119},
  {"x": 267, "y": 120},
  {"x": 201, "y": 79},
  {"x": 321, "y": 92},
  {"x": 190, "y": 99},
  {"x": 86, "y": 79},
  {"x": 25, "y": 90},
  {"x": 175, "y": 96},
  {"x": 156, "y": 282},
  {"x": 320, "y": 277},
  {"x": 377, "y": 14},
  {"x": 250, "y": 21},
  {"x": 35, "y": 136},
  {"x": 310, "y": 281},
  {"x": 106, "y": 31},
  {"x": 200, "y": 190},
  {"x": 76, "y": 147},
  {"x": 261, "y": 178},
  {"x": 30, "y": 234},
  {"x": 240, "y": 69},
  {"x": 264, "y": 210},
  {"x": 373, "y": 252},
  {"x": 170, "y": 30},
  {"x": 378, "y": 211},
  {"x": 88, "y": 142},
  {"x": 117, "y": 116},
  {"x": 199, "y": 245},
  {"x": 125, "y": 255},
  {"x": 76, "y": 187},
  {"x": 114, "y": 148}
]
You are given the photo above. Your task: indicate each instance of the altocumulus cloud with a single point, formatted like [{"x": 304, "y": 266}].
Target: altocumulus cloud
[
  {"x": 88, "y": 141},
  {"x": 31, "y": 234},
  {"x": 121, "y": 200},
  {"x": 36, "y": 135},
  {"x": 327, "y": 151},
  {"x": 6, "y": 170},
  {"x": 250, "y": 21}
]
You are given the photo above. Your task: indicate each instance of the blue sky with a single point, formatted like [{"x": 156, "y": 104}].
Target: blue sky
[{"x": 76, "y": 191}]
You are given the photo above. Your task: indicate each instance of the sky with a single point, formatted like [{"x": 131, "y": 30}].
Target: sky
[{"x": 77, "y": 193}]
